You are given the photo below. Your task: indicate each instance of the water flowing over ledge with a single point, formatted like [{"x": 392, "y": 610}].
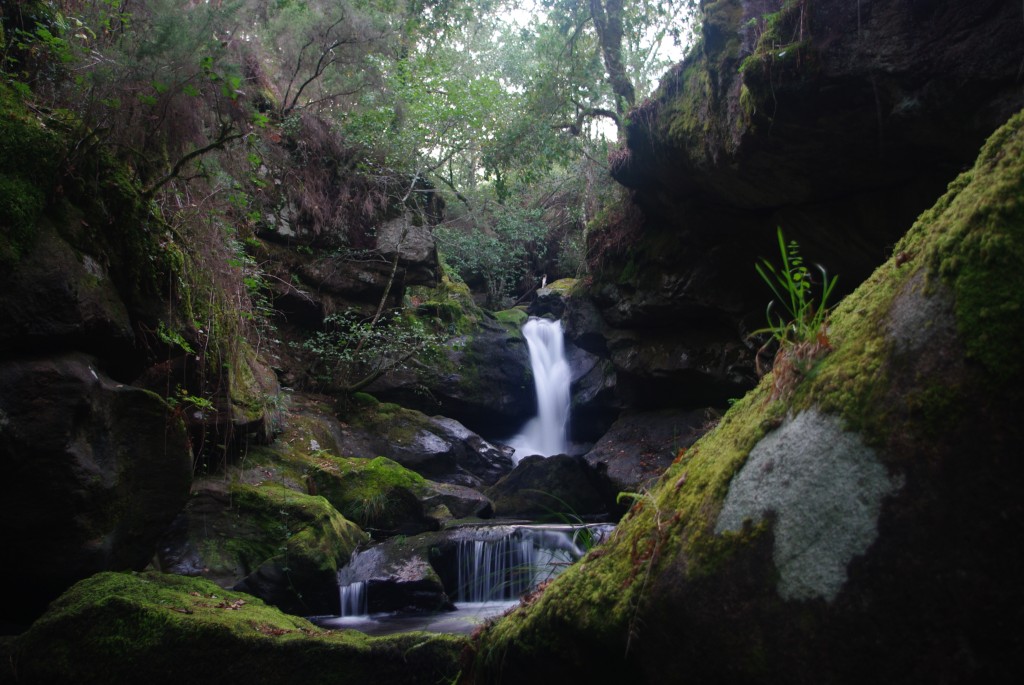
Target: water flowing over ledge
[{"x": 547, "y": 433}]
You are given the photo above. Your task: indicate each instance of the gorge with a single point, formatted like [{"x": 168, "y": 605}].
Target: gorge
[{"x": 279, "y": 380}]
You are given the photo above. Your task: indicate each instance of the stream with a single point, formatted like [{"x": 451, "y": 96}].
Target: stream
[{"x": 485, "y": 569}]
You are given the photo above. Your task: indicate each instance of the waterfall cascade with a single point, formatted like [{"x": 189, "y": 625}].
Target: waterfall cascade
[
  {"x": 502, "y": 563},
  {"x": 353, "y": 599},
  {"x": 352, "y": 592},
  {"x": 546, "y": 434}
]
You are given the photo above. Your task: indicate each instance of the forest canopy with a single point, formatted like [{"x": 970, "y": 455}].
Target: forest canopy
[{"x": 498, "y": 105}]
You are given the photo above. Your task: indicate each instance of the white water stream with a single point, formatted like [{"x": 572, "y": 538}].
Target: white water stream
[
  {"x": 547, "y": 433},
  {"x": 495, "y": 565}
]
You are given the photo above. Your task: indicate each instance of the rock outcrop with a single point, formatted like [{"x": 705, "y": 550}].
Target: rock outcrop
[
  {"x": 837, "y": 121},
  {"x": 94, "y": 471},
  {"x": 858, "y": 522}
]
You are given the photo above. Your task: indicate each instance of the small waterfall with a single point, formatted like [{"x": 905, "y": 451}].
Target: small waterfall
[
  {"x": 352, "y": 593},
  {"x": 353, "y": 599},
  {"x": 546, "y": 434},
  {"x": 503, "y": 563}
]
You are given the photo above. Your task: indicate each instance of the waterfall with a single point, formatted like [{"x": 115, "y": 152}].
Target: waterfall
[
  {"x": 352, "y": 592},
  {"x": 546, "y": 434},
  {"x": 503, "y": 563},
  {"x": 353, "y": 599}
]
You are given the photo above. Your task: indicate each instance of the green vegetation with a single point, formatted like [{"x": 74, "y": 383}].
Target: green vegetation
[
  {"x": 793, "y": 286},
  {"x": 126, "y": 627}
]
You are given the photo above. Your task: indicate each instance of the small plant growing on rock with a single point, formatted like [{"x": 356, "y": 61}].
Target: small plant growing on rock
[{"x": 802, "y": 333}]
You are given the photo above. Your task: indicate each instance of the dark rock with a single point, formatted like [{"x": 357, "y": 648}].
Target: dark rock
[
  {"x": 550, "y": 300},
  {"x": 94, "y": 472},
  {"x": 595, "y": 403},
  {"x": 641, "y": 445},
  {"x": 559, "y": 488},
  {"x": 457, "y": 500},
  {"x": 837, "y": 121},
  {"x": 56, "y": 299},
  {"x": 438, "y": 448},
  {"x": 398, "y": 577},
  {"x": 484, "y": 382}
]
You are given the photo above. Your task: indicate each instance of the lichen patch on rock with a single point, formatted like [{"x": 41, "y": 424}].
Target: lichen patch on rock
[{"x": 824, "y": 487}]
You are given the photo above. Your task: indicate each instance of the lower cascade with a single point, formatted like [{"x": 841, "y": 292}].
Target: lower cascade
[
  {"x": 546, "y": 434},
  {"x": 485, "y": 570},
  {"x": 505, "y": 562}
]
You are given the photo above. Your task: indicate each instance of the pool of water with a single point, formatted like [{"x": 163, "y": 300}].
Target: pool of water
[{"x": 466, "y": 617}]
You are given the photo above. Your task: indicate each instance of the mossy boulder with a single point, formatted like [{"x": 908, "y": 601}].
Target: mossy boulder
[
  {"x": 436, "y": 447},
  {"x": 483, "y": 380},
  {"x": 855, "y": 519},
  {"x": 281, "y": 545},
  {"x": 153, "y": 628}
]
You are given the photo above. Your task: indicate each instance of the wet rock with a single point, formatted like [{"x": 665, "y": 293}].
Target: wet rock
[
  {"x": 641, "y": 445},
  {"x": 94, "y": 472},
  {"x": 398, "y": 577},
  {"x": 557, "y": 488}
]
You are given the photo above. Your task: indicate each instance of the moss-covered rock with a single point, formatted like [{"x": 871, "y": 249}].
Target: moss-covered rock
[
  {"x": 156, "y": 628},
  {"x": 281, "y": 545},
  {"x": 861, "y": 527}
]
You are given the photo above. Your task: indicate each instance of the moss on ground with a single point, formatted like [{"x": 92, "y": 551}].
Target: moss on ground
[{"x": 153, "y": 628}]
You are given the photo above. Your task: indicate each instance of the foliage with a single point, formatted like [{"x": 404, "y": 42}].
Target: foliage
[
  {"x": 500, "y": 256},
  {"x": 793, "y": 286},
  {"x": 353, "y": 351}
]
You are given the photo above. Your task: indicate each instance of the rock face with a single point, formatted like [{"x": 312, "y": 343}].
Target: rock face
[
  {"x": 483, "y": 383},
  {"x": 861, "y": 522},
  {"x": 837, "y": 121},
  {"x": 639, "y": 446},
  {"x": 558, "y": 488},
  {"x": 438, "y": 448},
  {"x": 94, "y": 471}
]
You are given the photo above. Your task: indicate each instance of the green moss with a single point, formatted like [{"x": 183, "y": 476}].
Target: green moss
[
  {"x": 981, "y": 252},
  {"x": 25, "y": 185},
  {"x": 156, "y": 628},
  {"x": 375, "y": 493},
  {"x": 514, "y": 318}
]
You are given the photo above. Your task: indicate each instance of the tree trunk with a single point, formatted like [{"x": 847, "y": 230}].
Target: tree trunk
[{"x": 607, "y": 17}]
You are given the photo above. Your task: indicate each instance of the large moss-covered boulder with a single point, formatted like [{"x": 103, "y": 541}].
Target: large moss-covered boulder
[
  {"x": 857, "y": 518},
  {"x": 152, "y": 628},
  {"x": 281, "y": 545},
  {"x": 93, "y": 472}
]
